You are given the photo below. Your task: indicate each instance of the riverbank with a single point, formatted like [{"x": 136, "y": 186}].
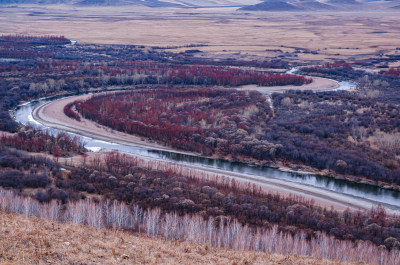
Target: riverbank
[
  {"x": 304, "y": 169},
  {"x": 51, "y": 114}
]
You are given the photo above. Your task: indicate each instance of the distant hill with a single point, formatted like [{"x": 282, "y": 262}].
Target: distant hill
[
  {"x": 99, "y": 3},
  {"x": 149, "y": 3},
  {"x": 17, "y": 1},
  {"x": 310, "y": 5},
  {"x": 272, "y": 6},
  {"x": 247, "y": 5},
  {"x": 343, "y": 2},
  {"x": 314, "y": 5},
  {"x": 38, "y": 2}
]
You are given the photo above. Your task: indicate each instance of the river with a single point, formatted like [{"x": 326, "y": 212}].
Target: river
[{"x": 345, "y": 190}]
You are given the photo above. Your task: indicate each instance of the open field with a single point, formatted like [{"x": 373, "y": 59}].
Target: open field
[{"x": 307, "y": 36}]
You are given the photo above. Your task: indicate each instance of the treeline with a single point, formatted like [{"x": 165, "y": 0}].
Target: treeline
[
  {"x": 226, "y": 233},
  {"x": 34, "y": 140},
  {"x": 338, "y": 70},
  {"x": 128, "y": 72},
  {"x": 13, "y": 41},
  {"x": 14, "y": 46}
]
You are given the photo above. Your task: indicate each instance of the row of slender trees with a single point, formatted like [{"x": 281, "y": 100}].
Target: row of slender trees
[{"x": 226, "y": 233}]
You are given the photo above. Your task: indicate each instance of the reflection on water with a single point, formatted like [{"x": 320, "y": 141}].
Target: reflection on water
[{"x": 23, "y": 112}]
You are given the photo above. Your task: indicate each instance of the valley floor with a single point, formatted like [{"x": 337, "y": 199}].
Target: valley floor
[
  {"x": 51, "y": 114},
  {"x": 309, "y": 35}
]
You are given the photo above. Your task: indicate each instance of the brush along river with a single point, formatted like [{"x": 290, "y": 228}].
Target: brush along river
[{"x": 48, "y": 114}]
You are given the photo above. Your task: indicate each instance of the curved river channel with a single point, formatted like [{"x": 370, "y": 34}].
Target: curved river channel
[{"x": 360, "y": 195}]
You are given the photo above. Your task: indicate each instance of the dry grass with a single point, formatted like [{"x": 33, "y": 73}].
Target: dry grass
[
  {"x": 37, "y": 241},
  {"x": 333, "y": 35}
]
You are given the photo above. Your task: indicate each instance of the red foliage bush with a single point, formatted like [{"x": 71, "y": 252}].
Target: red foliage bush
[
  {"x": 70, "y": 113},
  {"x": 395, "y": 72},
  {"x": 33, "y": 140}
]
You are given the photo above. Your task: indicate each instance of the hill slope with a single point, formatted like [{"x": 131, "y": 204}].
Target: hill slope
[
  {"x": 320, "y": 5},
  {"x": 272, "y": 6},
  {"x": 37, "y": 241}
]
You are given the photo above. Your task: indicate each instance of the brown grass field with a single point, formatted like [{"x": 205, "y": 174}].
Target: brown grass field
[
  {"x": 229, "y": 33},
  {"x": 36, "y": 241}
]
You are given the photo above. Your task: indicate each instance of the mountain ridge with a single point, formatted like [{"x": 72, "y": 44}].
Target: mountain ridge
[{"x": 245, "y": 5}]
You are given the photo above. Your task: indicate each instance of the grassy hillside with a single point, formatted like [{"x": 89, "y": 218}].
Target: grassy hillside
[{"x": 37, "y": 241}]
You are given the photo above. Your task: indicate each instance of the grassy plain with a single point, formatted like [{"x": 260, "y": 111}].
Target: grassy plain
[{"x": 227, "y": 32}]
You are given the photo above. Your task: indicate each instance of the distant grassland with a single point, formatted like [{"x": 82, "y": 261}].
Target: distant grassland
[{"x": 225, "y": 30}]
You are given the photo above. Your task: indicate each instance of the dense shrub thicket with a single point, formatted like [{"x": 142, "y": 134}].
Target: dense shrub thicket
[
  {"x": 338, "y": 131},
  {"x": 201, "y": 120},
  {"x": 34, "y": 140},
  {"x": 20, "y": 171}
]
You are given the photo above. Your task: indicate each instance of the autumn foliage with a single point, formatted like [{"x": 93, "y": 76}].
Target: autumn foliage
[
  {"x": 34, "y": 140},
  {"x": 70, "y": 113},
  {"x": 207, "y": 121},
  {"x": 395, "y": 72}
]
